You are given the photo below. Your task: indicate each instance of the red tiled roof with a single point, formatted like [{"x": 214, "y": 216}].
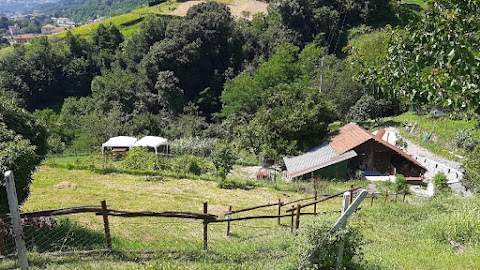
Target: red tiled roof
[
  {"x": 352, "y": 135},
  {"x": 349, "y": 137}
]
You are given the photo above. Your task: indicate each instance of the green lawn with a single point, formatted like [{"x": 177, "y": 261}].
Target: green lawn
[{"x": 397, "y": 235}]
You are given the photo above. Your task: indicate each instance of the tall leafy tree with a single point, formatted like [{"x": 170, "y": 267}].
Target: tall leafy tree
[
  {"x": 23, "y": 144},
  {"x": 436, "y": 61}
]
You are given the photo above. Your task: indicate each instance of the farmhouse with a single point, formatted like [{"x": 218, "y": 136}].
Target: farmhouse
[{"x": 350, "y": 150}]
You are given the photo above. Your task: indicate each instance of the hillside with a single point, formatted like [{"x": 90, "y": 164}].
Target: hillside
[
  {"x": 130, "y": 22},
  {"x": 82, "y": 11}
]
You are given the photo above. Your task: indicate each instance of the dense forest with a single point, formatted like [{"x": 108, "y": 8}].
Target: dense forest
[{"x": 270, "y": 85}]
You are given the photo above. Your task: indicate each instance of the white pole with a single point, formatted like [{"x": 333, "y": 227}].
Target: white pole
[
  {"x": 341, "y": 244},
  {"x": 15, "y": 215}
]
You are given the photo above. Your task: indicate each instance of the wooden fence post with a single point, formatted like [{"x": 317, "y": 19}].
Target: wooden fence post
[
  {"x": 3, "y": 249},
  {"x": 291, "y": 222},
  {"x": 347, "y": 196},
  {"x": 205, "y": 227},
  {"x": 396, "y": 196},
  {"x": 297, "y": 221},
  {"x": 315, "y": 205},
  {"x": 351, "y": 194},
  {"x": 373, "y": 197},
  {"x": 228, "y": 222},
  {"x": 106, "y": 226},
  {"x": 16, "y": 221},
  {"x": 279, "y": 210},
  {"x": 386, "y": 195},
  {"x": 404, "y": 195}
]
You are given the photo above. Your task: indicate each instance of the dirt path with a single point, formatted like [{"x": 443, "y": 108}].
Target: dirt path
[
  {"x": 416, "y": 150},
  {"x": 437, "y": 163},
  {"x": 237, "y": 7}
]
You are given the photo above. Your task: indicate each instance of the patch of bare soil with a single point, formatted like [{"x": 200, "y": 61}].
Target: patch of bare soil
[{"x": 66, "y": 185}]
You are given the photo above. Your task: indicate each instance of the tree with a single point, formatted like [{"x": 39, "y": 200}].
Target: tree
[
  {"x": 292, "y": 120},
  {"x": 23, "y": 144},
  {"x": 436, "y": 60},
  {"x": 223, "y": 159},
  {"x": 471, "y": 178}
]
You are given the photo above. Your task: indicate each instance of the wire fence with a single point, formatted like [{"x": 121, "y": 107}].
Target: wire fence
[{"x": 98, "y": 229}]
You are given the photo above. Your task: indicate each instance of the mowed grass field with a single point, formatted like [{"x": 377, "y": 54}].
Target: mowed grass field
[
  {"x": 254, "y": 244},
  {"x": 404, "y": 235}
]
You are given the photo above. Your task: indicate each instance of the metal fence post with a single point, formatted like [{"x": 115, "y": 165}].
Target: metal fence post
[
  {"x": 106, "y": 226},
  {"x": 205, "y": 227},
  {"x": 15, "y": 215},
  {"x": 341, "y": 245}
]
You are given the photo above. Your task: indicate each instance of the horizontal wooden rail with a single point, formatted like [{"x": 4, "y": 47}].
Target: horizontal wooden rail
[
  {"x": 299, "y": 200},
  {"x": 57, "y": 212},
  {"x": 251, "y": 217},
  {"x": 128, "y": 214},
  {"x": 324, "y": 199},
  {"x": 250, "y": 208}
]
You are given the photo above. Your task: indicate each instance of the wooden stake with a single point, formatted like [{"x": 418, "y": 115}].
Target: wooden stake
[
  {"x": 205, "y": 227},
  {"x": 315, "y": 205},
  {"x": 228, "y": 223},
  {"x": 373, "y": 197},
  {"x": 386, "y": 195},
  {"x": 279, "y": 210},
  {"x": 396, "y": 196},
  {"x": 351, "y": 194},
  {"x": 297, "y": 223},
  {"x": 16, "y": 222},
  {"x": 106, "y": 226},
  {"x": 404, "y": 196},
  {"x": 291, "y": 223}
]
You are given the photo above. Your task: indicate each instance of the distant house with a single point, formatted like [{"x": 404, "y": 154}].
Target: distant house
[
  {"x": 24, "y": 38},
  {"x": 50, "y": 29},
  {"x": 353, "y": 149},
  {"x": 47, "y": 29}
]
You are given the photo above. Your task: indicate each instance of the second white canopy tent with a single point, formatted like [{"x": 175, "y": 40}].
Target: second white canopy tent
[
  {"x": 130, "y": 142},
  {"x": 151, "y": 141}
]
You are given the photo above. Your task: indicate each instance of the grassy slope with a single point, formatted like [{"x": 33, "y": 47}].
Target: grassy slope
[
  {"x": 443, "y": 139},
  {"x": 127, "y": 192},
  {"x": 398, "y": 235},
  {"x": 407, "y": 236}
]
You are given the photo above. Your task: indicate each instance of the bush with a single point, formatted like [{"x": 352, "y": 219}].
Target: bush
[
  {"x": 319, "y": 248},
  {"x": 471, "y": 178},
  {"x": 440, "y": 180},
  {"x": 223, "y": 159},
  {"x": 465, "y": 140},
  {"x": 189, "y": 164},
  {"x": 193, "y": 146},
  {"x": 139, "y": 159},
  {"x": 400, "y": 183}
]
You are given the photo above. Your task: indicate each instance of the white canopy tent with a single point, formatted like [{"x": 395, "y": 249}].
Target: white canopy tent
[
  {"x": 120, "y": 141},
  {"x": 151, "y": 141}
]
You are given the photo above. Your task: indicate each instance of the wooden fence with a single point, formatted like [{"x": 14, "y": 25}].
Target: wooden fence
[{"x": 294, "y": 213}]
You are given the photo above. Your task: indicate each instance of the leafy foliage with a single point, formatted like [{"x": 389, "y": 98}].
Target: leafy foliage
[
  {"x": 400, "y": 183},
  {"x": 440, "y": 181},
  {"x": 465, "y": 140},
  {"x": 319, "y": 247},
  {"x": 223, "y": 159},
  {"x": 436, "y": 61},
  {"x": 23, "y": 144},
  {"x": 139, "y": 159},
  {"x": 471, "y": 178}
]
